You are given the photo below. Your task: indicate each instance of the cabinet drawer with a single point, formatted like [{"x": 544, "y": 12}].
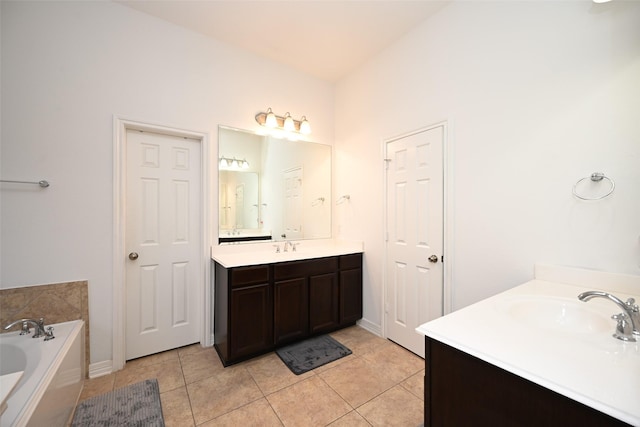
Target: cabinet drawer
[
  {"x": 311, "y": 267},
  {"x": 243, "y": 276},
  {"x": 350, "y": 261}
]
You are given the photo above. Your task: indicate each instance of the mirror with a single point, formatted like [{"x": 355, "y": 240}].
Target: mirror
[{"x": 271, "y": 187}]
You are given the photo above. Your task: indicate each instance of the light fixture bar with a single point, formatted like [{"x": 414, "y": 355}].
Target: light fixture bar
[
  {"x": 283, "y": 122},
  {"x": 233, "y": 163}
]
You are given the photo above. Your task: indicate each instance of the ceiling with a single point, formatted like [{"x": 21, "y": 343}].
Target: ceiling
[{"x": 324, "y": 38}]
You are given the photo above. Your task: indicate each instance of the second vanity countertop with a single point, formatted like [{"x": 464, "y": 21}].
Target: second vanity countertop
[
  {"x": 540, "y": 331},
  {"x": 239, "y": 255}
]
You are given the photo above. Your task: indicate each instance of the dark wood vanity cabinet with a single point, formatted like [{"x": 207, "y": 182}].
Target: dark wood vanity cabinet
[
  {"x": 243, "y": 298},
  {"x": 462, "y": 390},
  {"x": 258, "y": 308}
]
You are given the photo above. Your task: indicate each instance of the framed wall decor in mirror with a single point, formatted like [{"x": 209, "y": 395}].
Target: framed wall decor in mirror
[{"x": 272, "y": 188}]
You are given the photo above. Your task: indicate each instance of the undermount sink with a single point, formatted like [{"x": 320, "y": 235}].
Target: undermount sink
[{"x": 561, "y": 314}]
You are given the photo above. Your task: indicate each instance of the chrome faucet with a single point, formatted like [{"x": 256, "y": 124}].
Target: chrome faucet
[
  {"x": 37, "y": 324},
  {"x": 628, "y": 321},
  {"x": 287, "y": 244}
]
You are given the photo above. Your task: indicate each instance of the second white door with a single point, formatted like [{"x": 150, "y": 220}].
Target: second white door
[
  {"x": 414, "y": 246},
  {"x": 163, "y": 241}
]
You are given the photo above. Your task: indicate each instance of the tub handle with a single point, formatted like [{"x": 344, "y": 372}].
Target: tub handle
[{"x": 48, "y": 335}]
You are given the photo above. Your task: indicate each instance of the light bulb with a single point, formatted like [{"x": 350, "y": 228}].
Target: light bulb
[
  {"x": 271, "y": 121},
  {"x": 289, "y": 126},
  {"x": 245, "y": 164},
  {"x": 223, "y": 162},
  {"x": 305, "y": 127},
  {"x": 234, "y": 163}
]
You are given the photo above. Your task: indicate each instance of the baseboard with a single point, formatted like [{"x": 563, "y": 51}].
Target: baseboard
[
  {"x": 100, "y": 369},
  {"x": 371, "y": 327}
]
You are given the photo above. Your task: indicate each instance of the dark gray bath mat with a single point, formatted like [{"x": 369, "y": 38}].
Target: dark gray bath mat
[
  {"x": 312, "y": 353},
  {"x": 134, "y": 405}
]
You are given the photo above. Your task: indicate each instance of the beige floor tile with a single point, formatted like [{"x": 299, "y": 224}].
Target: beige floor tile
[
  {"x": 169, "y": 375},
  {"x": 176, "y": 408},
  {"x": 357, "y": 381},
  {"x": 200, "y": 365},
  {"x": 229, "y": 389},
  {"x": 352, "y": 419},
  {"x": 165, "y": 356},
  {"x": 271, "y": 374},
  {"x": 308, "y": 403},
  {"x": 258, "y": 413},
  {"x": 359, "y": 340},
  {"x": 397, "y": 362},
  {"x": 415, "y": 385},
  {"x": 395, "y": 407},
  {"x": 97, "y": 386},
  {"x": 191, "y": 349}
]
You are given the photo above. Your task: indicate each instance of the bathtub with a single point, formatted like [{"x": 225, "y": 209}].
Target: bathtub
[{"x": 48, "y": 391}]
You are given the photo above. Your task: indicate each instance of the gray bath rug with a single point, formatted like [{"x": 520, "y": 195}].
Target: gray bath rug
[
  {"x": 134, "y": 405},
  {"x": 312, "y": 353}
]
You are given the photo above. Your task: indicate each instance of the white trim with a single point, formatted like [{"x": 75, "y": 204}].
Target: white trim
[
  {"x": 120, "y": 127},
  {"x": 370, "y": 326},
  {"x": 100, "y": 369},
  {"x": 447, "y": 217}
]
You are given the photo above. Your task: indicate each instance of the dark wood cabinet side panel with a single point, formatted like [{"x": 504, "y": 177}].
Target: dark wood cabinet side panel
[
  {"x": 291, "y": 312},
  {"x": 324, "y": 313},
  {"x": 250, "y": 320},
  {"x": 221, "y": 314},
  {"x": 350, "y": 296},
  {"x": 466, "y": 391}
]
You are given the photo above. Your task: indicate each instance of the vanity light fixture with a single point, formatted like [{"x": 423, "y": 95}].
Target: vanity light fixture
[
  {"x": 233, "y": 163},
  {"x": 286, "y": 122},
  {"x": 270, "y": 121}
]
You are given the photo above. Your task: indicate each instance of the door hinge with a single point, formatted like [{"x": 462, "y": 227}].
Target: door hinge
[
  {"x": 386, "y": 163},
  {"x": 386, "y": 307},
  {"x": 442, "y": 258}
]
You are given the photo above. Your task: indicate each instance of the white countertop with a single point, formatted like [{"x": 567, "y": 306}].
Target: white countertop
[
  {"x": 542, "y": 332},
  {"x": 265, "y": 253}
]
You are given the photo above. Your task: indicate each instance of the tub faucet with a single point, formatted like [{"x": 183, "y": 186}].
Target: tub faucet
[
  {"x": 37, "y": 324},
  {"x": 630, "y": 310}
]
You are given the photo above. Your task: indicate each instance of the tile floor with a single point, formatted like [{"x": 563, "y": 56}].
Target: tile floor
[{"x": 380, "y": 384}]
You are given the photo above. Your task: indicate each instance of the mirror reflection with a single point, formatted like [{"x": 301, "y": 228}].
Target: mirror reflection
[{"x": 272, "y": 188}]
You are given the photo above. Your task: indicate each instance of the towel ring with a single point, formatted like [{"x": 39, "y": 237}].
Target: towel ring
[{"x": 595, "y": 177}]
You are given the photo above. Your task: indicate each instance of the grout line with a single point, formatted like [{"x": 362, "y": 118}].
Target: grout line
[{"x": 184, "y": 380}]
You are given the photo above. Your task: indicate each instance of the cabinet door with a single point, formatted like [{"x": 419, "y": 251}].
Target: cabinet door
[
  {"x": 291, "y": 310},
  {"x": 324, "y": 314},
  {"x": 350, "y": 296},
  {"x": 251, "y": 328}
]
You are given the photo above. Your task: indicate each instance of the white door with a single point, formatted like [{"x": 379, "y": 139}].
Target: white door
[
  {"x": 414, "y": 246},
  {"x": 293, "y": 203},
  {"x": 162, "y": 242}
]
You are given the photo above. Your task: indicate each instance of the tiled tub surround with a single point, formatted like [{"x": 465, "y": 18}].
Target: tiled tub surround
[
  {"x": 57, "y": 303},
  {"x": 567, "y": 347}
]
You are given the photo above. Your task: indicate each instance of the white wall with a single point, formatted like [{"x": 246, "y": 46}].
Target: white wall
[
  {"x": 537, "y": 96},
  {"x": 67, "y": 68}
]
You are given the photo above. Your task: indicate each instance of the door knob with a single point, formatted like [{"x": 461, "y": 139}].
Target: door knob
[
  {"x": 133, "y": 256},
  {"x": 433, "y": 258}
]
